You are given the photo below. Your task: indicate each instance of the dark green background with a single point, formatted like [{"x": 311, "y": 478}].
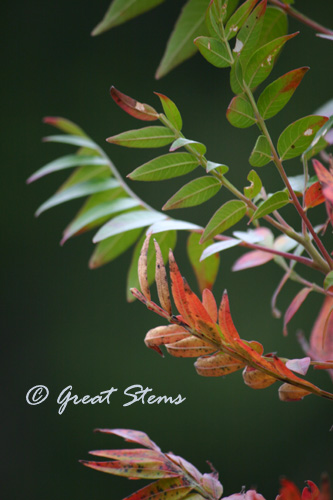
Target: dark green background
[{"x": 66, "y": 325}]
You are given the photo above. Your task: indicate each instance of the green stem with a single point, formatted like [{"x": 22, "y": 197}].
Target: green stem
[{"x": 301, "y": 17}]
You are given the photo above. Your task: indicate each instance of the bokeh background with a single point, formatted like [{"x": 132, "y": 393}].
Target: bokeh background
[{"x": 67, "y": 325}]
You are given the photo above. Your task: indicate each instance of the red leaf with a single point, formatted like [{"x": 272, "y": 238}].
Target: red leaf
[
  {"x": 252, "y": 259},
  {"x": 191, "y": 347},
  {"x": 294, "y": 306},
  {"x": 288, "y": 491},
  {"x": 217, "y": 365},
  {"x": 132, "y": 107},
  {"x": 225, "y": 320},
  {"x": 162, "y": 335},
  {"x": 132, "y": 437},
  {"x": 178, "y": 291},
  {"x": 314, "y": 195},
  {"x": 310, "y": 492}
]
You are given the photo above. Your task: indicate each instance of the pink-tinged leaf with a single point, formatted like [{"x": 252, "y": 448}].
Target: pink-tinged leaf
[
  {"x": 186, "y": 466},
  {"x": 314, "y": 196},
  {"x": 191, "y": 347},
  {"x": 275, "y": 311},
  {"x": 294, "y": 306},
  {"x": 64, "y": 125},
  {"x": 322, "y": 331},
  {"x": 132, "y": 437},
  {"x": 132, "y": 107},
  {"x": 135, "y": 470},
  {"x": 171, "y": 111},
  {"x": 299, "y": 365},
  {"x": 133, "y": 455},
  {"x": 248, "y": 495},
  {"x": 164, "y": 489},
  {"x": 252, "y": 259},
  {"x": 212, "y": 485},
  {"x": 225, "y": 320},
  {"x": 310, "y": 492},
  {"x": 209, "y": 304},
  {"x": 326, "y": 180}
]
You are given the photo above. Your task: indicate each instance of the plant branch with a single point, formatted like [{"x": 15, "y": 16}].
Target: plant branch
[
  {"x": 306, "y": 241},
  {"x": 301, "y": 17}
]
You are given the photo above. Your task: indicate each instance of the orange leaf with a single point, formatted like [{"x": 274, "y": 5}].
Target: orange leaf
[
  {"x": 191, "y": 347},
  {"x": 164, "y": 489},
  {"x": 225, "y": 320},
  {"x": 326, "y": 180},
  {"x": 288, "y": 491},
  {"x": 217, "y": 365},
  {"x": 256, "y": 379},
  {"x": 209, "y": 304},
  {"x": 162, "y": 280},
  {"x": 288, "y": 392},
  {"x": 178, "y": 292},
  {"x": 167, "y": 334},
  {"x": 314, "y": 195}
]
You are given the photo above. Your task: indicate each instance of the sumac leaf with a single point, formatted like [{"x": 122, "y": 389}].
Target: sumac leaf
[
  {"x": 214, "y": 51},
  {"x": 147, "y": 137},
  {"x": 171, "y": 111},
  {"x": 194, "y": 193},
  {"x": 298, "y": 136},
  {"x": 294, "y": 306},
  {"x": 133, "y": 107},
  {"x": 274, "y": 202},
  {"x": 261, "y": 153},
  {"x": 165, "y": 167},
  {"x": 224, "y": 218},
  {"x": 240, "y": 113}
]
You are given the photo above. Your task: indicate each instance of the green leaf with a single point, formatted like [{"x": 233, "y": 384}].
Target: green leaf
[
  {"x": 254, "y": 189},
  {"x": 172, "y": 224},
  {"x": 65, "y": 162},
  {"x": 249, "y": 34},
  {"x": 96, "y": 213},
  {"x": 274, "y": 26},
  {"x": 226, "y": 216},
  {"x": 278, "y": 93},
  {"x": 314, "y": 150},
  {"x": 297, "y": 137},
  {"x": 215, "y": 248},
  {"x": 74, "y": 140},
  {"x": 126, "y": 222},
  {"x": 120, "y": 11},
  {"x": 165, "y": 167},
  {"x": 190, "y": 24},
  {"x": 328, "y": 281},
  {"x": 237, "y": 20},
  {"x": 78, "y": 191},
  {"x": 261, "y": 153},
  {"x": 319, "y": 135},
  {"x": 112, "y": 247},
  {"x": 147, "y": 137},
  {"x": 194, "y": 193},
  {"x": 236, "y": 77},
  {"x": 274, "y": 202},
  {"x": 214, "y": 51},
  {"x": 86, "y": 173},
  {"x": 206, "y": 271},
  {"x": 240, "y": 113},
  {"x": 93, "y": 201},
  {"x": 217, "y": 14},
  {"x": 218, "y": 167},
  {"x": 182, "y": 142},
  {"x": 64, "y": 125},
  {"x": 262, "y": 61},
  {"x": 171, "y": 111},
  {"x": 166, "y": 240}
]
